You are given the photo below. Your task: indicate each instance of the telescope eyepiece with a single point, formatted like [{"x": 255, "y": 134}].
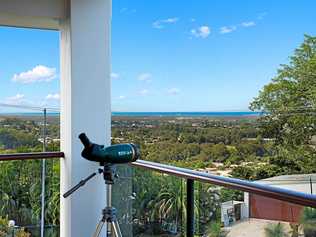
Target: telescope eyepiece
[
  {"x": 136, "y": 151},
  {"x": 85, "y": 140}
]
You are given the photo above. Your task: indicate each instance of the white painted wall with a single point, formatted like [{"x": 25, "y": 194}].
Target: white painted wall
[
  {"x": 246, "y": 201},
  {"x": 85, "y": 107},
  {"x": 225, "y": 206}
]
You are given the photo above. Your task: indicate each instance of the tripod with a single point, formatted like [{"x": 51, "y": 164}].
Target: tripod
[{"x": 109, "y": 212}]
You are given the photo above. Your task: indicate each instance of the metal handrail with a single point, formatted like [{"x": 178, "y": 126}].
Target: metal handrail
[
  {"x": 31, "y": 156},
  {"x": 232, "y": 183}
]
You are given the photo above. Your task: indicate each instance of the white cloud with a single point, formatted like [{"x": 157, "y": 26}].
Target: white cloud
[
  {"x": 173, "y": 91},
  {"x": 261, "y": 15},
  {"x": 21, "y": 100},
  {"x": 144, "y": 92},
  {"x": 201, "y": 32},
  {"x": 170, "y": 20},
  {"x": 145, "y": 77},
  {"x": 248, "y": 24},
  {"x": 37, "y": 74},
  {"x": 127, "y": 10},
  {"x": 115, "y": 76},
  {"x": 159, "y": 24},
  {"x": 122, "y": 97},
  {"x": 16, "y": 100},
  {"x": 192, "y": 19},
  {"x": 124, "y": 9},
  {"x": 227, "y": 29},
  {"x": 230, "y": 29},
  {"x": 53, "y": 96}
]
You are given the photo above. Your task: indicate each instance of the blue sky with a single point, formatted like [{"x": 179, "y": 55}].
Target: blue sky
[{"x": 193, "y": 55}]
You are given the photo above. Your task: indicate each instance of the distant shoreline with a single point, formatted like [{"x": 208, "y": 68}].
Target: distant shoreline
[
  {"x": 185, "y": 114},
  {"x": 154, "y": 114}
]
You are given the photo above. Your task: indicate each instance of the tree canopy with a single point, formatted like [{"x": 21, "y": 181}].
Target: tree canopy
[{"x": 289, "y": 101}]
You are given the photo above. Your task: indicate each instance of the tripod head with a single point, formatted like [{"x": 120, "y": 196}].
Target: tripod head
[{"x": 108, "y": 172}]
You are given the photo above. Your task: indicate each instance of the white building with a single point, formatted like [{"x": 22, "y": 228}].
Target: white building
[
  {"x": 232, "y": 211},
  {"x": 305, "y": 183}
]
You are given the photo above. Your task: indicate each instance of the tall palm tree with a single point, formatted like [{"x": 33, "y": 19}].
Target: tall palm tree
[{"x": 170, "y": 204}]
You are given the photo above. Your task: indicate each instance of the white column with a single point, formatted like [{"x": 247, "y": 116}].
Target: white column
[
  {"x": 247, "y": 205},
  {"x": 85, "y": 107}
]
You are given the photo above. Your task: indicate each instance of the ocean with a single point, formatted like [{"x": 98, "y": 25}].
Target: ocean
[
  {"x": 186, "y": 114},
  {"x": 158, "y": 114}
]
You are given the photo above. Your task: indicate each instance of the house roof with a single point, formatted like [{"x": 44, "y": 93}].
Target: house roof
[{"x": 296, "y": 178}]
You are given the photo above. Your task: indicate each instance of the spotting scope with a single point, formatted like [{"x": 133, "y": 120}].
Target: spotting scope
[{"x": 115, "y": 154}]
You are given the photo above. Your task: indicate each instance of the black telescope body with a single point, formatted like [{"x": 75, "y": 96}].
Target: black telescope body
[{"x": 116, "y": 154}]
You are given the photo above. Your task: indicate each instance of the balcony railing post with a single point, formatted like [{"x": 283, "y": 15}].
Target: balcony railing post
[
  {"x": 42, "y": 223},
  {"x": 190, "y": 208}
]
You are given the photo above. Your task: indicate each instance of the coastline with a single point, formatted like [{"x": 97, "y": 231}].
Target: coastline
[{"x": 153, "y": 114}]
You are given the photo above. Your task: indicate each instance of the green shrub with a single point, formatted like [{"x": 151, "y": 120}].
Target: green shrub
[{"x": 275, "y": 230}]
